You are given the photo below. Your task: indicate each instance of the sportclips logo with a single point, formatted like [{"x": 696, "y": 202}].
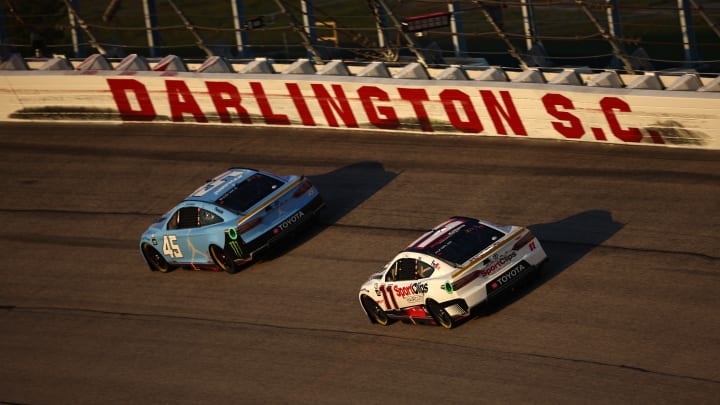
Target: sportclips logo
[
  {"x": 499, "y": 261},
  {"x": 465, "y": 110},
  {"x": 413, "y": 289}
]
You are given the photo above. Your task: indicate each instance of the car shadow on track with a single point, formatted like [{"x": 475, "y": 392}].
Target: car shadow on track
[
  {"x": 566, "y": 242},
  {"x": 343, "y": 190}
]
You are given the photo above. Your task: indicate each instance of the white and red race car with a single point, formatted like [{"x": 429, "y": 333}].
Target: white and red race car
[{"x": 449, "y": 270}]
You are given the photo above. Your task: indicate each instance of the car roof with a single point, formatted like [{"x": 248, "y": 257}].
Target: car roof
[
  {"x": 218, "y": 186},
  {"x": 438, "y": 233},
  {"x": 429, "y": 242}
]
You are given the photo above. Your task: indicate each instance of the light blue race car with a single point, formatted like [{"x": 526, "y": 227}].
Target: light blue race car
[{"x": 229, "y": 220}]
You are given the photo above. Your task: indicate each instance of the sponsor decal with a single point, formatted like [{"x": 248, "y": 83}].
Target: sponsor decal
[
  {"x": 411, "y": 293},
  {"x": 294, "y": 219},
  {"x": 497, "y": 262},
  {"x": 415, "y": 288},
  {"x": 217, "y": 187},
  {"x": 465, "y": 110},
  {"x": 233, "y": 243},
  {"x": 235, "y": 246},
  {"x": 510, "y": 275},
  {"x": 413, "y": 299}
]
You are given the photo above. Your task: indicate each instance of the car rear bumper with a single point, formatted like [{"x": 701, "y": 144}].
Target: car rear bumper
[
  {"x": 510, "y": 278},
  {"x": 293, "y": 222}
]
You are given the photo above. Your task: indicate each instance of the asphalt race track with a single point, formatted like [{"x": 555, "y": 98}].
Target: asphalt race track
[{"x": 627, "y": 311}]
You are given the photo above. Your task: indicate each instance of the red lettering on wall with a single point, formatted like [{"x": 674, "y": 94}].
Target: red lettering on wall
[
  {"x": 389, "y": 119},
  {"x": 656, "y": 136},
  {"x": 182, "y": 102},
  {"x": 449, "y": 98},
  {"x": 574, "y": 128},
  {"x": 300, "y": 104},
  {"x": 225, "y": 96},
  {"x": 120, "y": 89},
  {"x": 265, "y": 109},
  {"x": 509, "y": 113},
  {"x": 609, "y": 105},
  {"x": 328, "y": 105},
  {"x": 416, "y": 97},
  {"x": 599, "y": 134}
]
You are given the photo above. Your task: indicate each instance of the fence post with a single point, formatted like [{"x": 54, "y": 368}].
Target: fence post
[
  {"x": 688, "y": 32},
  {"x": 77, "y": 35},
  {"x": 408, "y": 40},
  {"x": 456, "y": 28},
  {"x": 239, "y": 21},
  {"x": 2, "y": 32},
  {"x": 307, "y": 42},
  {"x": 528, "y": 24},
  {"x": 150, "y": 23},
  {"x": 613, "y": 19},
  {"x": 2, "y": 24},
  {"x": 381, "y": 23},
  {"x": 309, "y": 23}
]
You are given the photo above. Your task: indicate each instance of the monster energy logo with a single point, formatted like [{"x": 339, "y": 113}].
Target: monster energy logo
[{"x": 235, "y": 246}]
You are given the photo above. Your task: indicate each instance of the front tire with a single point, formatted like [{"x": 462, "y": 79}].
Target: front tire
[
  {"x": 222, "y": 260},
  {"x": 376, "y": 314},
  {"x": 155, "y": 260},
  {"x": 440, "y": 315}
]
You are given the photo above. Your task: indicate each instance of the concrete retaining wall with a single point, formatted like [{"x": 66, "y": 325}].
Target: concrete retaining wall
[{"x": 566, "y": 105}]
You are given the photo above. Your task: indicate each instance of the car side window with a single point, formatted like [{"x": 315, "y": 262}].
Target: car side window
[
  {"x": 209, "y": 218},
  {"x": 401, "y": 270},
  {"x": 391, "y": 275},
  {"x": 186, "y": 217},
  {"x": 409, "y": 269},
  {"x": 424, "y": 270}
]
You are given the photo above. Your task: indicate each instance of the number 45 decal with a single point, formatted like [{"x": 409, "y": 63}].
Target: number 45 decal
[{"x": 170, "y": 246}]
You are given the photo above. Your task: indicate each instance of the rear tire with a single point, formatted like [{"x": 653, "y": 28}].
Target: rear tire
[
  {"x": 440, "y": 315},
  {"x": 155, "y": 260},
  {"x": 376, "y": 314},
  {"x": 222, "y": 260}
]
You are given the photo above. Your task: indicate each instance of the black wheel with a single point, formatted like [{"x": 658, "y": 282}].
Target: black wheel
[
  {"x": 440, "y": 315},
  {"x": 155, "y": 260},
  {"x": 376, "y": 314},
  {"x": 222, "y": 260}
]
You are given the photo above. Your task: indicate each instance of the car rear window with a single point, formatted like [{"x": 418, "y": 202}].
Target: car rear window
[
  {"x": 249, "y": 192},
  {"x": 466, "y": 242}
]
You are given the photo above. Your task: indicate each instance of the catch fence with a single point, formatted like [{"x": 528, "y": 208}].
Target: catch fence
[{"x": 626, "y": 35}]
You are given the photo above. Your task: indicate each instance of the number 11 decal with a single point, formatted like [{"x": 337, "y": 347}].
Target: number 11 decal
[{"x": 388, "y": 290}]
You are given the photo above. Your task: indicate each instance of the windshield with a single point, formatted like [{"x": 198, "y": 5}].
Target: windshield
[
  {"x": 464, "y": 243},
  {"x": 248, "y": 193}
]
